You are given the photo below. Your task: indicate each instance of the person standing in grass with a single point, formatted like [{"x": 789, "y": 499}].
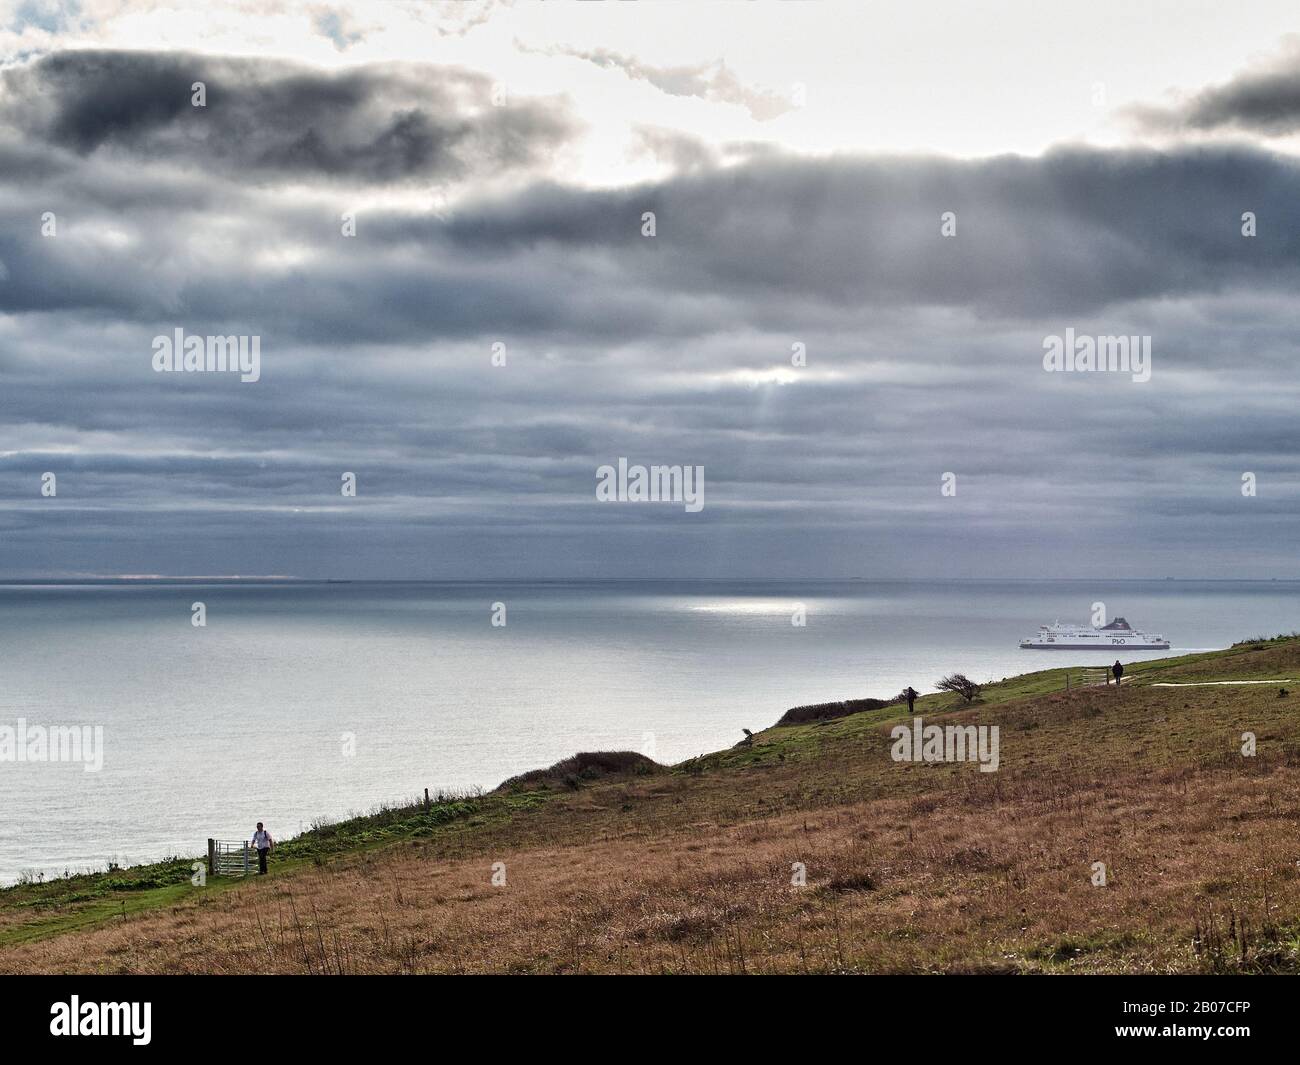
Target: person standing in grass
[
  {"x": 263, "y": 842},
  {"x": 1118, "y": 670},
  {"x": 911, "y": 694}
]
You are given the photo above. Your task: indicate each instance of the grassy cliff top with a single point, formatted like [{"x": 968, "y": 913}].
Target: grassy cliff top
[{"x": 809, "y": 849}]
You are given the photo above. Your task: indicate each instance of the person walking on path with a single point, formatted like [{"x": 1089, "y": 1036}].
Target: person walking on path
[
  {"x": 1118, "y": 670},
  {"x": 264, "y": 843},
  {"x": 911, "y": 694}
]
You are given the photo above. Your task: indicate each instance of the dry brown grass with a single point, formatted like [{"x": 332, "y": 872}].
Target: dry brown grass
[{"x": 893, "y": 885}]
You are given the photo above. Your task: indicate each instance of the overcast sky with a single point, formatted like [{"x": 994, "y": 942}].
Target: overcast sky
[{"x": 798, "y": 159}]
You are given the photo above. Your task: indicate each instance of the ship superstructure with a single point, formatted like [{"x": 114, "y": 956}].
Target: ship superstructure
[{"x": 1119, "y": 633}]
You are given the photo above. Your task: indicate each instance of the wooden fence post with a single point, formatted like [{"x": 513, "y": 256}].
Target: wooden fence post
[{"x": 212, "y": 854}]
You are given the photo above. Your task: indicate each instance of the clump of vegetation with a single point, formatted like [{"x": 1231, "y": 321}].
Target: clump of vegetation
[
  {"x": 1228, "y": 941},
  {"x": 800, "y": 715},
  {"x": 961, "y": 685},
  {"x": 1256, "y": 643},
  {"x": 861, "y": 881},
  {"x": 584, "y": 767},
  {"x": 384, "y": 822}
]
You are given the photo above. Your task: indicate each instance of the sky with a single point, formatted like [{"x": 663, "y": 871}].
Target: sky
[{"x": 868, "y": 223}]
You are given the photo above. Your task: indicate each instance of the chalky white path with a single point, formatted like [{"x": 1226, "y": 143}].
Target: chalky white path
[{"x": 1218, "y": 683}]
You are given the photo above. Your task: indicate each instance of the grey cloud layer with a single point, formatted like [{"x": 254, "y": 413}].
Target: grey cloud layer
[
  {"x": 1065, "y": 234},
  {"x": 924, "y": 352}
]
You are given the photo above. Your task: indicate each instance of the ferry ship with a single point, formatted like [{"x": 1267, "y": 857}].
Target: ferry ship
[{"x": 1119, "y": 633}]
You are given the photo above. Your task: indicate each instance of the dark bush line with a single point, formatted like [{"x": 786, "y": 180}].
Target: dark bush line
[
  {"x": 585, "y": 766},
  {"x": 800, "y": 715}
]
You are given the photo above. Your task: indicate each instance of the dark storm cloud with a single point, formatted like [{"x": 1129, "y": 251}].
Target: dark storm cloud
[
  {"x": 1071, "y": 230},
  {"x": 1265, "y": 100},
  {"x": 761, "y": 243},
  {"x": 272, "y": 118}
]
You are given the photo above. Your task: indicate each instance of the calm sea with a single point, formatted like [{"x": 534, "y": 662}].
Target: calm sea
[{"x": 298, "y": 701}]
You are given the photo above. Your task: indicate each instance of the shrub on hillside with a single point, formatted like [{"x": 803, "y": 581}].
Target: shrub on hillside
[
  {"x": 585, "y": 766},
  {"x": 800, "y": 715},
  {"x": 961, "y": 684}
]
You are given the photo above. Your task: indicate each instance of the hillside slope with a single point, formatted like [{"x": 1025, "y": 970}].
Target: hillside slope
[{"x": 910, "y": 867}]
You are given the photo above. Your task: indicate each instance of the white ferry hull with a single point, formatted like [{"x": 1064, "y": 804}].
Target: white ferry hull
[
  {"x": 1092, "y": 645},
  {"x": 1118, "y": 634}
]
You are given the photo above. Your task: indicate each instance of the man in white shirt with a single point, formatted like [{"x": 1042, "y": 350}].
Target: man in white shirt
[{"x": 263, "y": 842}]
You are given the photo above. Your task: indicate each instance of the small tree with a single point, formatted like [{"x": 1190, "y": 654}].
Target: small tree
[{"x": 961, "y": 684}]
